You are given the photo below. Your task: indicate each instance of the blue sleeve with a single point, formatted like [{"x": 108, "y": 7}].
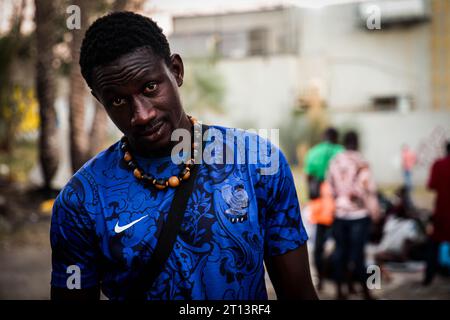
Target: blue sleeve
[
  {"x": 284, "y": 229},
  {"x": 73, "y": 238}
]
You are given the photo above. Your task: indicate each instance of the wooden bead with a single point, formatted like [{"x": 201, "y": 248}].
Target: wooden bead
[
  {"x": 174, "y": 181},
  {"x": 137, "y": 173},
  {"x": 127, "y": 156},
  {"x": 160, "y": 186},
  {"x": 186, "y": 174}
]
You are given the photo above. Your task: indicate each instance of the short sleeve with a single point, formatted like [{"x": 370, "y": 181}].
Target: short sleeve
[
  {"x": 284, "y": 229},
  {"x": 72, "y": 238}
]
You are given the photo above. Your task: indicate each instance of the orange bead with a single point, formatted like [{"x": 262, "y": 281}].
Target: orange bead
[
  {"x": 174, "y": 181},
  {"x": 137, "y": 173},
  {"x": 160, "y": 186},
  {"x": 186, "y": 175},
  {"x": 127, "y": 156}
]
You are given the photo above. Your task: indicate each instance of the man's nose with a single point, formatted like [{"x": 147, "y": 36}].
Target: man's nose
[{"x": 143, "y": 111}]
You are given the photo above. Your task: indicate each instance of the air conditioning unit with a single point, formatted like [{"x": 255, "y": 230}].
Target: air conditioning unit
[
  {"x": 400, "y": 103},
  {"x": 396, "y": 12}
]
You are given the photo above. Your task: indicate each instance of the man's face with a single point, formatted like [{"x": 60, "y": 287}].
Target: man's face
[{"x": 140, "y": 94}]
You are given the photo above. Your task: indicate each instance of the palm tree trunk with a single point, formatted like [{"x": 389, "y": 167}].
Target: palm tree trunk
[
  {"x": 99, "y": 127},
  {"x": 45, "y": 87},
  {"x": 98, "y": 130},
  {"x": 79, "y": 144},
  {"x": 119, "y": 5},
  {"x": 132, "y": 5},
  {"x": 83, "y": 147}
]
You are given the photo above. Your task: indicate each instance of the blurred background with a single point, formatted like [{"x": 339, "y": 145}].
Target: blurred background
[{"x": 380, "y": 68}]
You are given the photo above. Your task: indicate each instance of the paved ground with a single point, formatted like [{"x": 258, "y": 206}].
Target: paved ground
[
  {"x": 25, "y": 264},
  {"x": 405, "y": 284}
]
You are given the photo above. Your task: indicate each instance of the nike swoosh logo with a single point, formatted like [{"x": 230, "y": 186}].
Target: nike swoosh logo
[{"x": 119, "y": 229}]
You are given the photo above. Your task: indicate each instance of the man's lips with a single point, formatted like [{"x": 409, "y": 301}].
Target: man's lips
[{"x": 150, "y": 128}]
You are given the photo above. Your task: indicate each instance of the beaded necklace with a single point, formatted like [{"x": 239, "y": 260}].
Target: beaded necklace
[{"x": 160, "y": 183}]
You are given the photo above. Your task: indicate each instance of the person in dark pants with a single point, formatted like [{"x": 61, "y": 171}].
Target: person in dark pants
[
  {"x": 439, "y": 229},
  {"x": 323, "y": 232},
  {"x": 316, "y": 165},
  {"x": 351, "y": 237},
  {"x": 431, "y": 256},
  {"x": 356, "y": 204}
]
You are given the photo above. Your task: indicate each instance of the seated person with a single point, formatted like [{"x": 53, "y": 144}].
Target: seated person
[{"x": 402, "y": 234}]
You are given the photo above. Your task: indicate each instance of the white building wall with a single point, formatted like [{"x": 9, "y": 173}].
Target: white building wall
[
  {"x": 281, "y": 25},
  {"x": 357, "y": 64},
  {"x": 350, "y": 65},
  {"x": 260, "y": 92},
  {"x": 383, "y": 134}
]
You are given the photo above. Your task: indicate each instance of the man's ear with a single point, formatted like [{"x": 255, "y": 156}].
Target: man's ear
[{"x": 177, "y": 68}]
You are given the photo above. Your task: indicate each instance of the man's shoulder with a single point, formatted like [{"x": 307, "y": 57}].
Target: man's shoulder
[
  {"x": 444, "y": 160},
  {"x": 442, "y": 164},
  {"x": 342, "y": 155},
  {"x": 318, "y": 149},
  {"x": 85, "y": 180},
  {"x": 347, "y": 158},
  {"x": 102, "y": 160},
  {"x": 319, "y": 146},
  {"x": 338, "y": 148}
]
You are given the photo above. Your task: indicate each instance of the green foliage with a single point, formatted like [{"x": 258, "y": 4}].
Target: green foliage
[
  {"x": 13, "y": 47},
  {"x": 21, "y": 160}
]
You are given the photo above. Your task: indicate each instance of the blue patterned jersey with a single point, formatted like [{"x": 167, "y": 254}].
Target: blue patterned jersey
[{"x": 107, "y": 222}]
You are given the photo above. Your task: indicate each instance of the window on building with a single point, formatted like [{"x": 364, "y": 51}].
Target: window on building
[{"x": 258, "y": 42}]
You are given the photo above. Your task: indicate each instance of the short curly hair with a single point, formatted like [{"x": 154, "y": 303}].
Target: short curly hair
[{"x": 116, "y": 34}]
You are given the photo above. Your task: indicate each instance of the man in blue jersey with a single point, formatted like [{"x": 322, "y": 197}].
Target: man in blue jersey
[{"x": 107, "y": 220}]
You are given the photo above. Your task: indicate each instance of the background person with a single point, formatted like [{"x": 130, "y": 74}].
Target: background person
[
  {"x": 439, "y": 229},
  {"x": 408, "y": 163},
  {"x": 316, "y": 165},
  {"x": 403, "y": 234},
  {"x": 356, "y": 204}
]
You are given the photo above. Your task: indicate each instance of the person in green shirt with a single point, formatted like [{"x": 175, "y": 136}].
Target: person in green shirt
[
  {"x": 316, "y": 165},
  {"x": 318, "y": 157}
]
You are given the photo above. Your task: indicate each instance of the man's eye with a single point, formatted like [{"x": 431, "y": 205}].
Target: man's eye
[
  {"x": 117, "y": 102},
  {"x": 150, "y": 88}
]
